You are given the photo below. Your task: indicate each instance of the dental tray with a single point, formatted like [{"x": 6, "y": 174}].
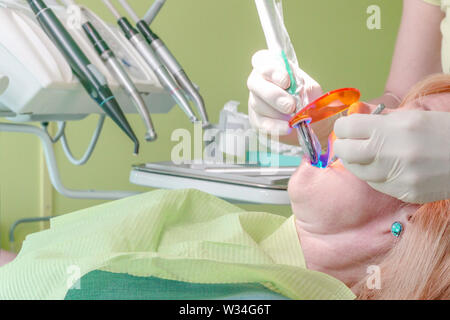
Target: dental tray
[{"x": 245, "y": 175}]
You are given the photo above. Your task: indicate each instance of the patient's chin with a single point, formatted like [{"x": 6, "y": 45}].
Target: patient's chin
[
  {"x": 6, "y": 257},
  {"x": 310, "y": 184}
]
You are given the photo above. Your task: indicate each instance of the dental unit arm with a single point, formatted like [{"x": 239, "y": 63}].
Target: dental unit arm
[
  {"x": 53, "y": 94},
  {"x": 31, "y": 60}
]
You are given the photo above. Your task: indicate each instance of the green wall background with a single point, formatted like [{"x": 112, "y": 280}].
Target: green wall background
[{"x": 214, "y": 40}]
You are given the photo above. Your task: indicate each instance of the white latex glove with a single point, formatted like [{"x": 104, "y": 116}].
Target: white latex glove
[
  {"x": 270, "y": 107},
  {"x": 405, "y": 154}
]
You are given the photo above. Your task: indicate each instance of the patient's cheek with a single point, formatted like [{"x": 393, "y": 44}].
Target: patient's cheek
[
  {"x": 333, "y": 198},
  {"x": 312, "y": 191},
  {"x": 301, "y": 182}
]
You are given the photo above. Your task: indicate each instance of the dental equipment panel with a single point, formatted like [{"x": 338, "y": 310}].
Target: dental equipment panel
[
  {"x": 170, "y": 62},
  {"x": 150, "y": 57},
  {"x": 89, "y": 76},
  {"x": 32, "y": 61},
  {"x": 53, "y": 91}
]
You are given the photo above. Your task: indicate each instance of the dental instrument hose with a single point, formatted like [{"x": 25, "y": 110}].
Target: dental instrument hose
[
  {"x": 153, "y": 11},
  {"x": 170, "y": 62},
  {"x": 58, "y": 135},
  {"x": 89, "y": 76},
  {"x": 61, "y": 135},
  {"x": 87, "y": 155}
]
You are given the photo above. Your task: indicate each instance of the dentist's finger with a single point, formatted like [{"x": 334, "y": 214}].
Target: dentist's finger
[
  {"x": 354, "y": 151},
  {"x": 268, "y": 125},
  {"x": 271, "y": 68},
  {"x": 366, "y": 172},
  {"x": 261, "y": 107},
  {"x": 356, "y": 126},
  {"x": 272, "y": 94}
]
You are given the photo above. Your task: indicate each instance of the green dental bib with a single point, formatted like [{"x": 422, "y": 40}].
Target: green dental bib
[{"x": 182, "y": 235}]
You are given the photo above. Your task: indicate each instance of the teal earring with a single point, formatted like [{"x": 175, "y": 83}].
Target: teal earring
[{"x": 396, "y": 229}]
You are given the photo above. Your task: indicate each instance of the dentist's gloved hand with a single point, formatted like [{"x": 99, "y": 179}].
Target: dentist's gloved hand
[
  {"x": 270, "y": 107},
  {"x": 405, "y": 154}
]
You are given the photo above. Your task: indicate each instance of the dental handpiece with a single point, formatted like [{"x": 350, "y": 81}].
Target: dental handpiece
[
  {"x": 116, "y": 68},
  {"x": 89, "y": 76},
  {"x": 170, "y": 62},
  {"x": 308, "y": 140},
  {"x": 145, "y": 50},
  {"x": 175, "y": 69},
  {"x": 160, "y": 71}
]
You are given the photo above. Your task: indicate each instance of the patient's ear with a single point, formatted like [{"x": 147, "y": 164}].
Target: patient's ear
[
  {"x": 435, "y": 102},
  {"x": 406, "y": 212}
]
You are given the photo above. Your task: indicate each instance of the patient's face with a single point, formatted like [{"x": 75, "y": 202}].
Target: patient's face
[
  {"x": 333, "y": 198},
  {"x": 343, "y": 224}
]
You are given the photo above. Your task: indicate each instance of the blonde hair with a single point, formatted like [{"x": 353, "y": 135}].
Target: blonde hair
[
  {"x": 435, "y": 84},
  {"x": 418, "y": 266}
]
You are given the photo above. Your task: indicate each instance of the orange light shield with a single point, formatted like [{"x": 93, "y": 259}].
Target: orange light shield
[{"x": 326, "y": 106}]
